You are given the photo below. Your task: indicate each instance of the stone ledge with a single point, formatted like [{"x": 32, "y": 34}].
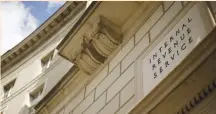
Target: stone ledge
[{"x": 43, "y": 33}]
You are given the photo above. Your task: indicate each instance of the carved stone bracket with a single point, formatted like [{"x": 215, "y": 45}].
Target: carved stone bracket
[{"x": 96, "y": 45}]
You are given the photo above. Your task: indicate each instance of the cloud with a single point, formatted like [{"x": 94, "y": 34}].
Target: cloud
[
  {"x": 54, "y": 5},
  {"x": 16, "y": 23}
]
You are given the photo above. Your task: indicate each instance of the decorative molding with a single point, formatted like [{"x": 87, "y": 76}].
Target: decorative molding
[
  {"x": 72, "y": 84},
  {"x": 40, "y": 35},
  {"x": 96, "y": 45},
  {"x": 39, "y": 77},
  {"x": 196, "y": 100}
]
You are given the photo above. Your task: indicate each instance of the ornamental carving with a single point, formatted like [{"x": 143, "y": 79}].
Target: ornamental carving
[{"x": 96, "y": 45}]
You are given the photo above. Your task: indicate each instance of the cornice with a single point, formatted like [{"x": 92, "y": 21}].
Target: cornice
[
  {"x": 96, "y": 35},
  {"x": 72, "y": 83},
  {"x": 57, "y": 93},
  {"x": 78, "y": 24},
  {"x": 40, "y": 35},
  {"x": 61, "y": 91}
]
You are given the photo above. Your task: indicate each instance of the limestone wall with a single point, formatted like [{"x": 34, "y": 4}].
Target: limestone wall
[
  {"x": 29, "y": 74},
  {"x": 114, "y": 89}
]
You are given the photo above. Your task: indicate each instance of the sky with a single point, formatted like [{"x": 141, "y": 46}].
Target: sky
[{"x": 19, "y": 19}]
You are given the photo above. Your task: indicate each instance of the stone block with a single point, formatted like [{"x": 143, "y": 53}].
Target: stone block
[
  {"x": 97, "y": 105},
  {"x": 111, "y": 107},
  {"x": 121, "y": 54},
  {"x": 165, "y": 19},
  {"x": 84, "y": 104},
  {"x": 135, "y": 52},
  {"x": 93, "y": 84},
  {"x": 127, "y": 92},
  {"x": 148, "y": 24},
  {"x": 120, "y": 82},
  {"x": 107, "y": 81}
]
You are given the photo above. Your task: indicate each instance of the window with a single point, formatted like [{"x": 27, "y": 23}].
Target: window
[
  {"x": 45, "y": 61},
  {"x": 36, "y": 93},
  {"x": 8, "y": 88}
]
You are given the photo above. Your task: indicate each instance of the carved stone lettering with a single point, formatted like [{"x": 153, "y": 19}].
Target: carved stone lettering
[
  {"x": 172, "y": 49},
  {"x": 179, "y": 40}
]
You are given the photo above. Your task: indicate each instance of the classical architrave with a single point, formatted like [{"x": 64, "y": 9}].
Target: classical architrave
[
  {"x": 39, "y": 36},
  {"x": 96, "y": 45}
]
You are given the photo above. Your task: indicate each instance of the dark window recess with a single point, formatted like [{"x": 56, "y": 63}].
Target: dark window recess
[
  {"x": 45, "y": 61},
  {"x": 8, "y": 88},
  {"x": 36, "y": 93}
]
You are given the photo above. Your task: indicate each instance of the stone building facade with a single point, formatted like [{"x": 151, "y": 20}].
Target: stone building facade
[
  {"x": 27, "y": 70},
  {"x": 138, "y": 58}
]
